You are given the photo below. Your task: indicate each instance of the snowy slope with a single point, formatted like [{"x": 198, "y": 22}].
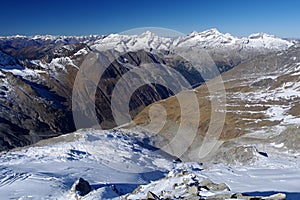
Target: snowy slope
[
  {"x": 116, "y": 162},
  {"x": 48, "y": 170}
]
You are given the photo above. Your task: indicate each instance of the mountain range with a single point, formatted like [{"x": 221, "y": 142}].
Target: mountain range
[
  {"x": 38, "y": 74},
  {"x": 199, "y": 116}
]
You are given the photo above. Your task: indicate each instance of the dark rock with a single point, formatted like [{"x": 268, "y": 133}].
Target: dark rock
[
  {"x": 152, "y": 196},
  {"x": 263, "y": 153},
  {"x": 82, "y": 187}
]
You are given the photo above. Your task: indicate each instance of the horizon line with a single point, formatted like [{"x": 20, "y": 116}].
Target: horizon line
[{"x": 145, "y": 30}]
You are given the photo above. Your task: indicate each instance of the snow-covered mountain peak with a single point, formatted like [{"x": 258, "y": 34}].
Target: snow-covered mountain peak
[
  {"x": 260, "y": 35},
  {"x": 267, "y": 41},
  {"x": 18, "y": 36},
  {"x": 213, "y": 31},
  {"x": 123, "y": 43},
  {"x": 44, "y": 37},
  {"x": 208, "y": 32},
  {"x": 147, "y": 34},
  {"x": 209, "y": 39}
]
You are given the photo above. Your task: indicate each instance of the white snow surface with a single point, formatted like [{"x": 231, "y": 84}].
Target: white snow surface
[
  {"x": 123, "y": 159},
  {"x": 101, "y": 157}
]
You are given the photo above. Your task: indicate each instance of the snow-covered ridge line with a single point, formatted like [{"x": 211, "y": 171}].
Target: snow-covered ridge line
[
  {"x": 209, "y": 39},
  {"x": 51, "y": 37},
  {"x": 46, "y": 39},
  {"x": 148, "y": 39}
]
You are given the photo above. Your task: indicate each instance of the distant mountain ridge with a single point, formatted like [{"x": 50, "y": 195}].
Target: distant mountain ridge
[
  {"x": 204, "y": 36},
  {"x": 207, "y": 39}
]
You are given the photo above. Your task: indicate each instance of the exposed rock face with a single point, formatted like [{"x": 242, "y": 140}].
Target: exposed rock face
[{"x": 34, "y": 103}]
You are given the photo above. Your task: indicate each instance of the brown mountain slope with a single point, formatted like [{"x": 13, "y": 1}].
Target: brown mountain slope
[{"x": 262, "y": 96}]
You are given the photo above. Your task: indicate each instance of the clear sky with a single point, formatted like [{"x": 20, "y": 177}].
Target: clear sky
[{"x": 82, "y": 17}]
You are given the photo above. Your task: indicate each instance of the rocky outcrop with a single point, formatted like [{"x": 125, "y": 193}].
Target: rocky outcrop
[
  {"x": 80, "y": 188},
  {"x": 187, "y": 185}
]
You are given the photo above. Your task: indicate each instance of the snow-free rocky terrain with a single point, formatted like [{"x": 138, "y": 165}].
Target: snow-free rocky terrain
[{"x": 257, "y": 151}]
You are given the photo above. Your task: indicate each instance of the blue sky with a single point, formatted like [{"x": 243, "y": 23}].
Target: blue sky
[{"x": 82, "y": 17}]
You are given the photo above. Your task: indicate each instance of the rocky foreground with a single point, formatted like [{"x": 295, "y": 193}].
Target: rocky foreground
[
  {"x": 187, "y": 185},
  {"x": 176, "y": 185}
]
